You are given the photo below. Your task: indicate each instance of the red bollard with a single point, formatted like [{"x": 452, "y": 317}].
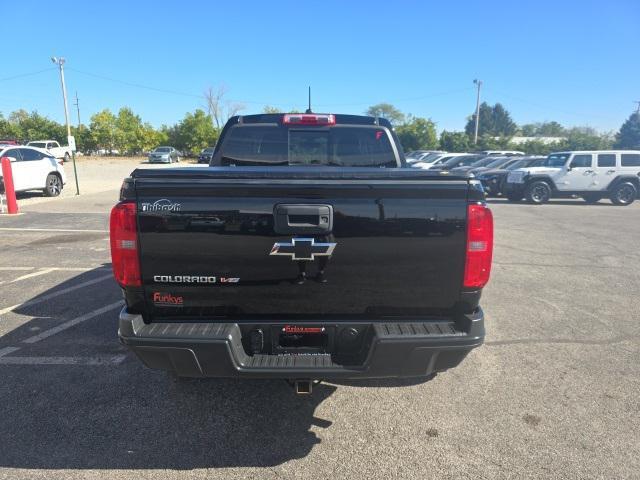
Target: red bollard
[{"x": 9, "y": 191}]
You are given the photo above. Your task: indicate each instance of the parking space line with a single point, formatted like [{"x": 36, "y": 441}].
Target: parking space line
[
  {"x": 95, "y": 360},
  {"x": 68, "y": 230},
  {"x": 7, "y": 350},
  {"x": 60, "y": 269},
  {"x": 44, "y": 271},
  {"x": 44, "y": 298},
  {"x": 73, "y": 322}
]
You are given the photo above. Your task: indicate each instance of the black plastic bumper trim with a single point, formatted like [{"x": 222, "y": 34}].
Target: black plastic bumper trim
[{"x": 413, "y": 348}]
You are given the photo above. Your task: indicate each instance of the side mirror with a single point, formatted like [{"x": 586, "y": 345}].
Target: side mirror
[{"x": 569, "y": 168}]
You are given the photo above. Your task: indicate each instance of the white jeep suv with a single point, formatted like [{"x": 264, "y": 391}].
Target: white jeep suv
[{"x": 591, "y": 175}]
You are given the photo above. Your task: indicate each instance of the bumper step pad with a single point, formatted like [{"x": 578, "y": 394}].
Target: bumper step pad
[{"x": 397, "y": 349}]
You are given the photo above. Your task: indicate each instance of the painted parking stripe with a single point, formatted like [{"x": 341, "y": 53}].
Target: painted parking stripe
[
  {"x": 7, "y": 350},
  {"x": 57, "y": 269},
  {"x": 44, "y": 298},
  {"x": 44, "y": 271},
  {"x": 95, "y": 360},
  {"x": 68, "y": 230},
  {"x": 73, "y": 322}
]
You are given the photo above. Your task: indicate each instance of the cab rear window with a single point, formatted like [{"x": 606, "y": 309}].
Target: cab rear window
[{"x": 344, "y": 146}]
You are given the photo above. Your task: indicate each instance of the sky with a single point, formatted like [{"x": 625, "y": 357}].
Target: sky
[{"x": 575, "y": 62}]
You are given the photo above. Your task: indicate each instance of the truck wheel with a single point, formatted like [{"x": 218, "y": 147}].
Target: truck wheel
[
  {"x": 538, "y": 192},
  {"x": 592, "y": 198},
  {"x": 66, "y": 157},
  {"x": 624, "y": 194},
  {"x": 53, "y": 185}
]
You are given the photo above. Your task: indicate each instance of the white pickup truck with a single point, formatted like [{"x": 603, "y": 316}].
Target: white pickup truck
[{"x": 53, "y": 147}]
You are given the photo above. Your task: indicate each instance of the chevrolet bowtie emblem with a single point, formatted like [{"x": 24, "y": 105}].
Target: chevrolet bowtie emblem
[{"x": 303, "y": 249}]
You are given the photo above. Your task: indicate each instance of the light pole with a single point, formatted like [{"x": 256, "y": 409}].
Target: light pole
[
  {"x": 60, "y": 62},
  {"x": 475, "y": 136}
]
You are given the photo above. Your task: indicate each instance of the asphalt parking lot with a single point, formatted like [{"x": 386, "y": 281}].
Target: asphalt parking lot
[{"x": 552, "y": 394}]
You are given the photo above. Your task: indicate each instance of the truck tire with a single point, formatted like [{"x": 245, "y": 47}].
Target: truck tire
[
  {"x": 53, "y": 185},
  {"x": 66, "y": 157},
  {"x": 538, "y": 192},
  {"x": 592, "y": 198},
  {"x": 624, "y": 194}
]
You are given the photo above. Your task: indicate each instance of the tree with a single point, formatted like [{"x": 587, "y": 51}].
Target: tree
[
  {"x": 103, "y": 129},
  {"x": 544, "y": 129},
  {"x": 129, "y": 132},
  {"x": 417, "y": 134},
  {"x": 220, "y": 109},
  {"x": 454, "y": 141},
  {"x": 195, "y": 132},
  {"x": 388, "y": 111},
  {"x": 8, "y": 130},
  {"x": 629, "y": 134},
  {"x": 270, "y": 109},
  {"x": 494, "y": 121},
  {"x": 33, "y": 126},
  {"x": 586, "y": 138}
]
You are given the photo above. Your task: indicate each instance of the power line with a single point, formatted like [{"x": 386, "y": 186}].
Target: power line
[
  {"x": 255, "y": 102},
  {"x": 21, "y": 75},
  {"x": 136, "y": 85},
  {"x": 399, "y": 100},
  {"x": 546, "y": 107}
]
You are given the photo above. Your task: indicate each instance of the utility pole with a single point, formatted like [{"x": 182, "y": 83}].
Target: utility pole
[
  {"x": 475, "y": 136},
  {"x": 60, "y": 62},
  {"x": 78, "y": 110}
]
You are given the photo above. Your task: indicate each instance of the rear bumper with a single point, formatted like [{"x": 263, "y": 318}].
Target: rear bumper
[{"x": 393, "y": 349}]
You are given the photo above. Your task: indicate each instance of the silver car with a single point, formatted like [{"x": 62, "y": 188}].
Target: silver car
[{"x": 164, "y": 155}]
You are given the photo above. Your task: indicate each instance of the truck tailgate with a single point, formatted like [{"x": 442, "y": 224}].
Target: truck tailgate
[{"x": 207, "y": 238}]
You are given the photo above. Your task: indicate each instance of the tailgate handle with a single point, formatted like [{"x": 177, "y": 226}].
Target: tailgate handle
[{"x": 312, "y": 219}]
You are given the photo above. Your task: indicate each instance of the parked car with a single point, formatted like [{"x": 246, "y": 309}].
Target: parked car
[
  {"x": 496, "y": 162},
  {"x": 423, "y": 156},
  {"x": 461, "y": 160},
  {"x": 592, "y": 175},
  {"x": 34, "y": 169},
  {"x": 502, "y": 152},
  {"x": 437, "y": 160},
  {"x": 483, "y": 161},
  {"x": 164, "y": 155},
  {"x": 492, "y": 179},
  {"x": 206, "y": 155},
  {"x": 54, "y": 147},
  {"x": 6, "y": 141},
  {"x": 320, "y": 265}
]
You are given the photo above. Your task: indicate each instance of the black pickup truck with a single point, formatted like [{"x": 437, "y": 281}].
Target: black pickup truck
[{"x": 307, "y": 250}]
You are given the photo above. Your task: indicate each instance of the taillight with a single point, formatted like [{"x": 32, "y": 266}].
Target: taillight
[
  {"x": 479, "y": 246},
  {"x": 124, "y": 244},
  {"x": 309, "y": 119}
]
